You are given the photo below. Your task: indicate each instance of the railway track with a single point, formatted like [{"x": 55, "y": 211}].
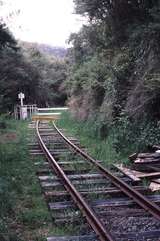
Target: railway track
[{"x": 81, "y": 193}]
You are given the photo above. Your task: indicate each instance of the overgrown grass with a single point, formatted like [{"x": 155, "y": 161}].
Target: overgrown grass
[
  {"x": 23, "y": 212},
  {"x": 113, "y": 142},
  {"x": 86, "y": 132}
]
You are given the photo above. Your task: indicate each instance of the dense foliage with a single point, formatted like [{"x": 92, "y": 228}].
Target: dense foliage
[
  {"x": 23, "y": 68},
  {"x": 114, "y": 66},
  {"x": 51, "y": 73}
]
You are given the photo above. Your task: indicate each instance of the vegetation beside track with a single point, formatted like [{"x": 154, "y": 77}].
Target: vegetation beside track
[
  {"x": 23, "y": 212},
  {"x": 86, "y": 132},
  {"x": 122, "y": 139}
]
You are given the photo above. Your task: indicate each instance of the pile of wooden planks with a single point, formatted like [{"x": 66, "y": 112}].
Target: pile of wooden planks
[{"x": 144, "y": 165}]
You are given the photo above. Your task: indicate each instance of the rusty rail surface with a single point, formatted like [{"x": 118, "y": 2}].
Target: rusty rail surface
[
  {"x": 140, "y": 199},
  {"x": 89, "y": 214}
]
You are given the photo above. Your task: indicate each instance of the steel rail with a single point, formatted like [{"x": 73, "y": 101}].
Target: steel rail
[
  {"x": 89, "y": 214},
  {"x": 140, "y": 199}
]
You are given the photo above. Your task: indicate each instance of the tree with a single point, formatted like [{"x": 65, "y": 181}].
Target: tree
[
  {"x": 118, "y": 15},
  {"x": 124, "y": 37}
]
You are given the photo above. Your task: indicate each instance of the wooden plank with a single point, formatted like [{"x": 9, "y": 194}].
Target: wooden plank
[
  {"x": 156, "y": 181},
  {"x": 133, "y": 156},
  {"x": 50, "y": 134},
  {"x": 41, "y": 163},
  {"x": 102, "y": 190},
  {"x": 44, "y": 171},
  {"x": 154, "y": 168},
  {"x": 72, "y": 177},
  {"x": 76, "y": 182},
  {"x": 62, "y": 163},
  {"x": 61, "y": 205},
  {"x": 146, "y": 167},
  {"x": 66, "y": 170},
  {"x": 149, "y": 175},
  {"x": 136, "y": 175},
  {"x": 156, "y": 147},
  {"x": 55, "y": 154},
  {"x": 46, "y": 129},
  {"x": 154, "y": 186},
  {"x": 51, "y": 150},
  {"x": 48, "y": 114},
  {"x": 114, "y": 202},
  {"x": 54, "y": 109},
  {"x": 71, "y": 216},
  {"x": 148, "y": 155},
  {"x": 128, "y": 172},
  {"x": 147, "y": 160},
  {"x": 80, "y": 177}
]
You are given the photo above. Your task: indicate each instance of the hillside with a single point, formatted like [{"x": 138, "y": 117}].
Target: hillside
[{"x": 58, "y": 52}]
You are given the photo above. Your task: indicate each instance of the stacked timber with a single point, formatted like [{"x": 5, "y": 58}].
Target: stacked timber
[
  {"x": 150, "y": 164},
  {"x": 144, "y": 166}
]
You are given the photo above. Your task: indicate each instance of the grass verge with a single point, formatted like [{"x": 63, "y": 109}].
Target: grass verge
[
  {"x": 86, "y": 133},
  {"x": 23, "y": 212}
]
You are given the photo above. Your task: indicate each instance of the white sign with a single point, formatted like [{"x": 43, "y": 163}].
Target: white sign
[{"x": 21, "y": 97}]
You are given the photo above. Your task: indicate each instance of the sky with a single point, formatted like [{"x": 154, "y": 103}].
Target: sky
[{"x": 49, "y": 21}]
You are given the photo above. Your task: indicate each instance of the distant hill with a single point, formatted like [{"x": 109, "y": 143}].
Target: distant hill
[{"x": 58, "y": 52}]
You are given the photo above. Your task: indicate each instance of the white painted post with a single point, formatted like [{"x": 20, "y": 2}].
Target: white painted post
[
  {"x": 30, "y": 111},
  {"x": 23, "y": 110},
  {"x": 21, "y": 97}
]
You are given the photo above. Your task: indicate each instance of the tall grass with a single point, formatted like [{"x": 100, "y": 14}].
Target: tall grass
[
  {"x": 87, "y": 132},
  {"x": 120, "y": 138},
  {"x": 23, "y": 212}
]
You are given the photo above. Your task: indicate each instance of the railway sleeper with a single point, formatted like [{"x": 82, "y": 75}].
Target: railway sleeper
[
  {"x": 78, "y": 182},
  {"x": 52, "y": 141},
  {"x": 74, "y": 238},
  {"x": 86, "y": 176},
  {"x": 114, "y": 202},
  {"x": 55, "y": 150},
  {"x": 66, "y": 170},
  {"x": 127, "y": 213},
  {"x": 74, "y": 177},
  {"x": 90, "y": 184},
  {"x": 63, "y": 195},
  {"x": 62, "y": 163},
  {"x": 50, "y": 183}
]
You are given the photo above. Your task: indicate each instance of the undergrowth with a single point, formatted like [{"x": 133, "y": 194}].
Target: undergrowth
[
  {"x": 87, "y": 132},
  {"x": 23, "y": 212},
  {"x": 120, "y": 139}
]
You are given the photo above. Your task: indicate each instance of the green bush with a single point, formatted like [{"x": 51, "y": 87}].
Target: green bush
[
  {"x": 129, "y": 135},
  {"x": 117, "y": 140}
]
